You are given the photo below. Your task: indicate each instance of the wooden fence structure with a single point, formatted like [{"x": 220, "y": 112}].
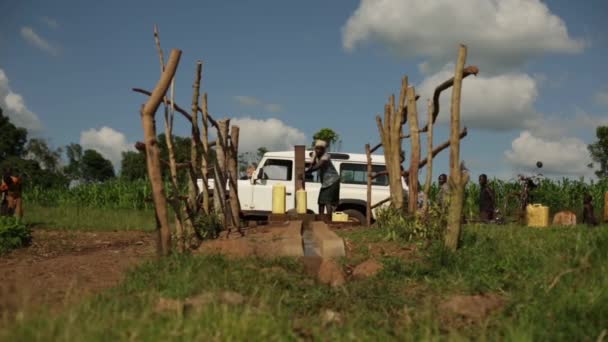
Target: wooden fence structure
[{"x": 391, "y": 136}]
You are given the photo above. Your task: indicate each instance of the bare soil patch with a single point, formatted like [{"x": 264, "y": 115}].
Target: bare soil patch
[{"x": 60, "y": 267}]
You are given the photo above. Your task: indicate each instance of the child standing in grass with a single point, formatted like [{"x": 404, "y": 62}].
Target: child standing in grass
[
  {"x": 11, "y": 191},
  {"x": 588, "y": 211}
]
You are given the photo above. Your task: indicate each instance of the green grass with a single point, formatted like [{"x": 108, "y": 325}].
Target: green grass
[
  {"x": 86, "y": 218},
  {"x": 515, "y": 262}
]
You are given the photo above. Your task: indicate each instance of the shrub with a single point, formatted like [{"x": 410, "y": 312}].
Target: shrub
[
  {"x": 208, "y": 226},
  {"x": 400, "y": 226},
  {"x": 13, "y": 234}
]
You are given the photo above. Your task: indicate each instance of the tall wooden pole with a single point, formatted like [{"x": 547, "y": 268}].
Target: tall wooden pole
[
  {"x": 153, "y": 153},
  {"x": 220, "y": 150},
  {"x": 429, "y": 158},
  {"x": 457, "y": 179},
  {"x": 205, "y": 159},
  {"x": 368, "y": 209},
  {"x": 233, "y": 169},
  {"x": 415, "y": 151}
]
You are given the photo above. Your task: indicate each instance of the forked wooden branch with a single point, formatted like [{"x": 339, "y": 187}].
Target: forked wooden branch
[
  {"x": 423, "y": 162},
  {"x": 179, "y": 109},
  {"x": 153, "y": 154}
]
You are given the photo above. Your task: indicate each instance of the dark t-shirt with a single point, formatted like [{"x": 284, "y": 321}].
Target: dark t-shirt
[{"x": 486, "y": 199}]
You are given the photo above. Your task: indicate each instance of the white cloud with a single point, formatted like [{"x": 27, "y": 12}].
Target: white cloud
[
  {"x": 273, "y": 107},
  {"x": 250, "y": 101},
  {"x": 247, "y": 100},
  {"x": 50, "y": 22},
  {"x": 14, "y": 107},
  {"x": 36, "y": 40},
  {"x": 499, "y": 33},
  {"x": 601, "y": 97},
  {"x": 270, "y": 133},
  {"x": 107, "y": 141},
  {"x": 564, "y": 156},
  {"x": 501, "y": 103}
]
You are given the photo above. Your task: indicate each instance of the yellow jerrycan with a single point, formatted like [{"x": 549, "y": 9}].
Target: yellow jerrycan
[
  {"x": 339, "y": 216},
  {"x": 278, "y": 199},
  {"x": 537, "y": 215},
  {"x": 301, "y": 204}
]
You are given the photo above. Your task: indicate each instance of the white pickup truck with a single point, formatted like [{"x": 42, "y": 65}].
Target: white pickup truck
[{"x": 255, "y": 194}]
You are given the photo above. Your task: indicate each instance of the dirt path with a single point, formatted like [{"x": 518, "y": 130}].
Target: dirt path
[{"x": 62, "y": 266}]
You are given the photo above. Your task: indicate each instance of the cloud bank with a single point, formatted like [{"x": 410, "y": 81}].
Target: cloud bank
[
  {"x": 501, "y": 34},
  {"x": 107, "y": 141},
  {"x": 14, "y": 107}
]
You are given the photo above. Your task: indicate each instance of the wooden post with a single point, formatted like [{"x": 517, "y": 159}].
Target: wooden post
[
  {"x": 153, "y": 153},
  {"x": 220, "y": 150},
  {"x": 205, "y": 159},
  {"x": 415, "y": 151},
  {"x": 233, "y": 168},
  {"x": 174, "y": 198},
  {"x": 300, "y": 166},
  {"x": 457, "y": 179},
  {"x": 368, "y": 209},
  {"x": 390, "y": 135},
  {"x": 429, "y": 158},
  {"x": 194, "y": 147}
]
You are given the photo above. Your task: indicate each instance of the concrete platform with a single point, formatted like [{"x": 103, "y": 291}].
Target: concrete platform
[
  {"x": 288, "y": 238},
  {"x": 326, "y": 243},
  {"x": 277, "y": 240}
]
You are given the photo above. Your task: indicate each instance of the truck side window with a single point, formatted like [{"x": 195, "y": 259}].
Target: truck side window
[
  {"x": 357, "y": 174},
  {"x": 278, "y": 169}
]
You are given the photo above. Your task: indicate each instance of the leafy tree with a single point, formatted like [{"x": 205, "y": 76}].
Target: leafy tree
[
  {"x": 328, "y": 135},
  {"x": 133, "y": 166},
  {"x": 38, "y": 150},
  {"x": 599, "y": 151},
  {"x": 12, "y": 139},
  {"x": 261, "y": 152},
  {"x": 74, "y": 168},
  {"x": 96, "y": 168}
]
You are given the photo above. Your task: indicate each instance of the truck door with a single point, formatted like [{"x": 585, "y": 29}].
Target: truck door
[{"x": 273, "y": 171}]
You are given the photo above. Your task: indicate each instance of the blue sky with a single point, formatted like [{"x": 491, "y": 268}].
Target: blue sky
[{"x": 284, "y": 69}]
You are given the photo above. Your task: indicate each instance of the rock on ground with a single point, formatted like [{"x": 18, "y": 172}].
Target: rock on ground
[
  {"x": 367, "y": 269},
  {"x": 326, "y": 271},
  {"x": 475, "y": 308}
]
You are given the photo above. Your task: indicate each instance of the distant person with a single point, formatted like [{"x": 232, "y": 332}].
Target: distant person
[
  {"x": 329, "y": 196},
  {"x": 11, "y": 193},
  {"x": 588, "y": 211},
  {"x": 444, "y": 189},
  {"x": 251, "y": 170},
  {"x": 487, "y": 200}
]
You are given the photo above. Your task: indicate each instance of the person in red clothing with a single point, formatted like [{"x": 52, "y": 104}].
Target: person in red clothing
[{"x": 12, "y": 203}]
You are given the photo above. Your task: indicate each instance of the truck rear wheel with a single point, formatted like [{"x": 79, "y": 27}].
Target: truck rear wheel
[{"x": 355, "y": 215}]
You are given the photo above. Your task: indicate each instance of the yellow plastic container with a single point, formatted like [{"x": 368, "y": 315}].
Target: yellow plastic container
[
  {"x": 339, "y": 216},
  {"x": 301, "y": 204},
  {"x": 537, "y": 215},
  {"x": 278, "y": 199},
  {"x": 606, "y": 207}
]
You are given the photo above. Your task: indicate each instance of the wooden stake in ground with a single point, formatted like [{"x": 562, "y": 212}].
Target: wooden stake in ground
[
  {"x": 415, "y": 151},
  {"x": 368, "y": 209},
  {"x": 153, "y": 153},
  {"x": 457, "y": 178},
  {"x": 429, "y": 158},
  {"x": 390, "y": 135},
  {"x": 205, "y": 159},
  {"x": 220, "y": 151},
  {"x": 232, "y": 154}
]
